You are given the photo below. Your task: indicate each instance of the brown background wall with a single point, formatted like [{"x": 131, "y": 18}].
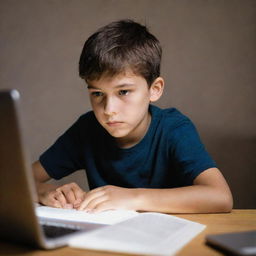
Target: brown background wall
[{"x": 209, "y": 66}]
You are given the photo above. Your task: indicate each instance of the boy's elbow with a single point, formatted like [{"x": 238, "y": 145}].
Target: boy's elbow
[{"x": 225, "y": 202}]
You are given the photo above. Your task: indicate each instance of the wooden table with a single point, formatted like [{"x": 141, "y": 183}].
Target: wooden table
[{"x": 237, "y": 220}]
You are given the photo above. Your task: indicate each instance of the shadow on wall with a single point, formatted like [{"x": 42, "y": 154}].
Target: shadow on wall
[{"x": 235, "y": 157}]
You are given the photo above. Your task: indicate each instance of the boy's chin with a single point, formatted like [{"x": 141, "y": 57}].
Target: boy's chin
[{"x": 118, "y": 134}]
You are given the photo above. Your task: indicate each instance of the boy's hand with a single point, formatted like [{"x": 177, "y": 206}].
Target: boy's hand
[
  {"x": 67, "y": 196},
  {"x": 109, "y": 198}
]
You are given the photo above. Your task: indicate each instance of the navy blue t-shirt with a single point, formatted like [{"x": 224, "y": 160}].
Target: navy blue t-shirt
[{"x": 169, "y": 155}]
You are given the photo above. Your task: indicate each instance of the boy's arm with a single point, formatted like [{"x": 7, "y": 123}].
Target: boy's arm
[
  {"x": 65, "y": 196},
  {"x": 209, "y": 193}
]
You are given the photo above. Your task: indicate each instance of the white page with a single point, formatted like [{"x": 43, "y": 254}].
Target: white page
[
  {"x": 106, "y": 217},
  {"x": 147, "y": 233}
]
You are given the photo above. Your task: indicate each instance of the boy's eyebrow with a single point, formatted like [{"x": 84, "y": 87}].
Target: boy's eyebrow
[
  {"x": 91, "y": 87},
  {"x": 117, "y": 86}
]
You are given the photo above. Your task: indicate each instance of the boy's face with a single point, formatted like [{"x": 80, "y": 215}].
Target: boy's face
[{"x": 120, "y": 104}]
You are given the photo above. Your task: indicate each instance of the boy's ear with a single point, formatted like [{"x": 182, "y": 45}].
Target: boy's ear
[{"x": 156, "y": 89}]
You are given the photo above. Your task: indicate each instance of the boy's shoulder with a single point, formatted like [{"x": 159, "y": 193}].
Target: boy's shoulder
[
  {"x": 174, "y": 126},
  {"x": 169, "y": 117}
]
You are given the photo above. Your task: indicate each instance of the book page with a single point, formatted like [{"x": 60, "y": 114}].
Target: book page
[
  {"x": 147, "y": 233},
  {"x": 106, "y": 217}
]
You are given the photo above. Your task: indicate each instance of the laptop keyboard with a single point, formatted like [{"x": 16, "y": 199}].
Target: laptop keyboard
[{"x": 57, "y": 231}]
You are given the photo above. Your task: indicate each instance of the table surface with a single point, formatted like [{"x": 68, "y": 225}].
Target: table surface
[{"x": 237, "y": 220}]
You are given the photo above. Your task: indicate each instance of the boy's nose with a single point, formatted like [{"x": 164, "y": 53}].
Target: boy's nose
[{"x": 109, "y": 108}]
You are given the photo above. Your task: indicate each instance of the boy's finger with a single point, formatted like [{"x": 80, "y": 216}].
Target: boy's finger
[
  {"x": 69, "y": 194},
  {"x": 89, "y": 197},
  {"x": 95, "y": 202},
  {"x": 51, "y": 201},
  {"x": 104, "y": 206},
  {"x": 68, "y": 206},
  {"x": 55, "y": 203},
  {"x": 61, "y": 198},
  {"x": 79, "y": 193}
]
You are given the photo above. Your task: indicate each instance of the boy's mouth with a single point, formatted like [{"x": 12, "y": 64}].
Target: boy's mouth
[{"x": 114, "y": 123}]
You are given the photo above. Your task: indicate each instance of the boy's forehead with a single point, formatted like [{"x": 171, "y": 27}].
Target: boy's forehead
[{"x": 127, "y": 78}]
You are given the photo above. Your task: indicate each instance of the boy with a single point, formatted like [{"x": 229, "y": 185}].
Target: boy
[{"x": 136, "y": 156}]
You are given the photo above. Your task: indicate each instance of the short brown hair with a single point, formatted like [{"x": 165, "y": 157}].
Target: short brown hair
[{"x": 118, "y": 46}]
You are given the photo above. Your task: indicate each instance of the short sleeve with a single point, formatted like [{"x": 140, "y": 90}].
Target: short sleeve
[
  {"x": 64, "y": 156},
  {"x": 189, "y": 153}
]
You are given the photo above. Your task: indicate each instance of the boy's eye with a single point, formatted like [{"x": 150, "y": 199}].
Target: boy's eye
[
  {"x": 97, "y": 94},
  {"x": 123, "y": 92}
]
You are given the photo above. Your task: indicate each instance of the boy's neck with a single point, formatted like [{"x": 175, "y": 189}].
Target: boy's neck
[{"x": 136, "y": 136}]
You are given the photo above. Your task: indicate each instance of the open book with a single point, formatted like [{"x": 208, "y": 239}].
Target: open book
[{"x": 128, "y": 231}]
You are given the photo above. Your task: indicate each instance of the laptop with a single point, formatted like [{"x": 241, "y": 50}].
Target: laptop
[
  {"x": 18, "y": 220},
  {"x": 237, "y": 243}
]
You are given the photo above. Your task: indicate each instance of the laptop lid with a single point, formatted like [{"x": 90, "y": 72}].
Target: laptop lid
[
  {"x": 237, "y": 243},
  {"x": 18, "y": 221}
]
